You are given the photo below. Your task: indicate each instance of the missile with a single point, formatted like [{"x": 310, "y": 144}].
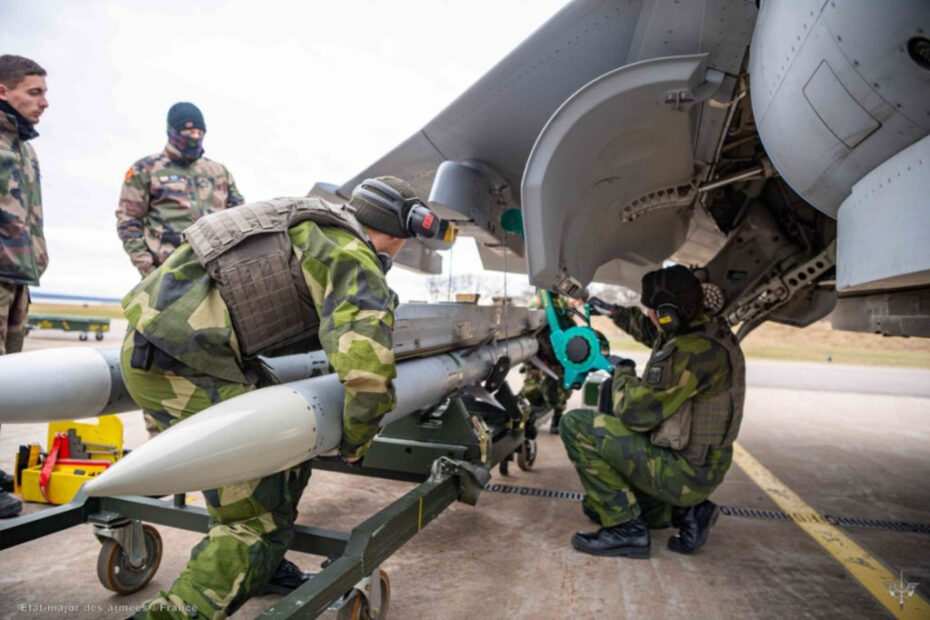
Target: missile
[
  {"x": 80, "y": 382},
  {"x": 273, "y": 428}
]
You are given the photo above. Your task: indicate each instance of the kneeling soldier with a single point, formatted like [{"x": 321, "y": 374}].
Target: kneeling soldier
[{"x": 661, "y": 443}]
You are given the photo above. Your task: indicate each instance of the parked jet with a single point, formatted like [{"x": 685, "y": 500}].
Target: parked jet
[{"x": 781, "y": 150}]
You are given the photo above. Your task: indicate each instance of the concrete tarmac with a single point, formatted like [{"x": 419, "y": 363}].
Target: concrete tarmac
[{"x": 845, "y": 453}]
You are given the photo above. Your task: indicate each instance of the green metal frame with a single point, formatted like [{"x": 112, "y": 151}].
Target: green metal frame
[{"x": 424, "y": 449}]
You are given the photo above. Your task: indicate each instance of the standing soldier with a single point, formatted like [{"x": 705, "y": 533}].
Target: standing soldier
[
  {"x": 283, "y": 276},
  {"x": 661, "y": 443},
  {"x": 165, "y": 193},
  {"x": 23, "y": 256}
]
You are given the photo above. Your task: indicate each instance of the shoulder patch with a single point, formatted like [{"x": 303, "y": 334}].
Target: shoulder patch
[
  {"x": 130, "y": 173},
  {"x": 653, "y": 375},
  {"x": 664, "y": 352}
]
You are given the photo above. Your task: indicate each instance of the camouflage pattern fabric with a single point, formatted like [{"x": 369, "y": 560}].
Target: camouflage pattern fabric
[
  {"x": 541, "y": 390},
  {"x": 614, "y": 454},
  {"x": 23, "y": 255},
  {"x": 162, "y": 195},
  {"x": 179, "y": 310},
  {"x": 252, "y": 523},
  {"x": 14, "y": 306},
  {"x": 620, "y": 467},
  {"x": 634, "y": 322}
]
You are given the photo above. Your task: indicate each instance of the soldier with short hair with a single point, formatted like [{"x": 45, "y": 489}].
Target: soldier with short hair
[
  {"x": 271, "y": 278},
  {"x": 165, "y": 193},
  {"x": 661, "y": 443},
  {"x": 23, "y": 256}
]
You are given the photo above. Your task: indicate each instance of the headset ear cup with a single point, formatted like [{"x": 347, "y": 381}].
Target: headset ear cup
[
  {"x": 421, "y": 222},
  {"x": 669, "y": 318}
]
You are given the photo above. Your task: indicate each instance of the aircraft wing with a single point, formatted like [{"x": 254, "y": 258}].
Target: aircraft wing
[{"x": 626, "y": 133}]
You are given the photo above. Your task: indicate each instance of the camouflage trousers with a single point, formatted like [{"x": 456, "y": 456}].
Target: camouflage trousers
[
  {"x": 14, "y": 306},
  {"x": 542, "y": 390},
  {"x": 251, "y": 523},
  {"x": 625, "y": 476}
]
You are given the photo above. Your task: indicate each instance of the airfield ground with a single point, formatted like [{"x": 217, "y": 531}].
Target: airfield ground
[{"x": 845, "y": 453}]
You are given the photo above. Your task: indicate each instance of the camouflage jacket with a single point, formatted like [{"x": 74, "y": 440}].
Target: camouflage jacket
[
  {"x": 23, "y": 255},
  {"x": 179, "y": 309},
  {"x": 162, "y": 195},
  {"x": 687, "y": 366}
]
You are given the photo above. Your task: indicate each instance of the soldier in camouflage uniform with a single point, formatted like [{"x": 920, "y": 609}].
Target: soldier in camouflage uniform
[
  {"x": 539, "y": 388},
  {"x": 191, "y": 346},
  {"x": 660, "y": 444},
  {"x": 23, "y": 256},
  {"x": 165, "y": 193}
]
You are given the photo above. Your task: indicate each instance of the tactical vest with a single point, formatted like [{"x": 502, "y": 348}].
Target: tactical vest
[
  {"x": 248, "y": 253},
  {"x": 702, "y": 424}
]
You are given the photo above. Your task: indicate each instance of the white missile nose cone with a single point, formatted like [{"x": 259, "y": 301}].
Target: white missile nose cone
[{"x": 240, "y": 439}]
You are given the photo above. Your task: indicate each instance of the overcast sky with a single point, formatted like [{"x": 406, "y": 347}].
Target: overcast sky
[{"x": 292, "y": 93}]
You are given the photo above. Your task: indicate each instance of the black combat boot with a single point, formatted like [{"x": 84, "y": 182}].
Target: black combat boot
[
  {"x": 630, "y": 539},
  {"x": 9, "y": 505},
  {"x": 6, "y": 482},
  {"x": 554, "y": 425},
  {"x": 694, "y": 523},
  {"x": 287, "y": 577}
]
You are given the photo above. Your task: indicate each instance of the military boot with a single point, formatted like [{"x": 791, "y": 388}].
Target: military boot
[
  {"x": 6, "y": 482},
  {"x": 554, "y": 425},
  {"x": 286, "y": 578},
  {"x": 630, "y": 539},
  {"x": 9, "y": 505},
  {"x": 694, "y": 523}
]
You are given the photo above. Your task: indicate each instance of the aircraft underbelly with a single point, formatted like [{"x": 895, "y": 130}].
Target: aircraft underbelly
[
  {"x": 883, "y": 232},
  {"x": 612, "y": 174},
  {"x": 836, "y": 90}
]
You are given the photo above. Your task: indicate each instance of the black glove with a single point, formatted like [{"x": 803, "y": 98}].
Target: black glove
[
  {"x": 617, "y": 362},
  {"x": 599, "y": 306},
  {"x": 605, "y": 401}
]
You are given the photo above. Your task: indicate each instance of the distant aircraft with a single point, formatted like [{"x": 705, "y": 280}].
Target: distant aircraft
[{"x": 783, "y": 151}]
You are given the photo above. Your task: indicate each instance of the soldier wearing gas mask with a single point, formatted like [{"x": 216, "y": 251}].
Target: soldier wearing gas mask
[{"x": 660, "y": 443}]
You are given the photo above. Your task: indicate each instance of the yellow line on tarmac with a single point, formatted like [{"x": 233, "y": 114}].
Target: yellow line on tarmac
[{"x": 866, "y": 569}]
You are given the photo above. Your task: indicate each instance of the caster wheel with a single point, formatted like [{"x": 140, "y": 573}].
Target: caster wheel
[
  {"x": 526, "y": 455},
  {"x": 357, "y": 608},
  {"x": 505, "y": 467},
  {"x": 82, "y": 337},
  {"x": 98, "y": 336},
  {"x": 116, "y": 573}
]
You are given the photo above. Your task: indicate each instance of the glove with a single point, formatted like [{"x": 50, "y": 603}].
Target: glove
[
  {"x": 599, "y": 306},
  {"x": 605, "y": 399},
  {"x": 621, "y": 362}
]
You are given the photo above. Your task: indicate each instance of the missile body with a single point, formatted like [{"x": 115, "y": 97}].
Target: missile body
[
  {"x": 81, "y": 382},
  {"x": 270, "y": 429}
]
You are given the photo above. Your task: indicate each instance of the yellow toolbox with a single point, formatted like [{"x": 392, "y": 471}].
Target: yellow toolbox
[{"x": 77, "y": 451}]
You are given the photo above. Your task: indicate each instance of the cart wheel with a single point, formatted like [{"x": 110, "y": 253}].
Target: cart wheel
[
  {"x": 505, "y": 467},
  {"x": 116, "y": 573},
  {"x": 82, "y": 337},
  {"x": 356, "y": 608},
  {"x": 526, "y": 455},
  {"x": 99, "y": 335}
]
